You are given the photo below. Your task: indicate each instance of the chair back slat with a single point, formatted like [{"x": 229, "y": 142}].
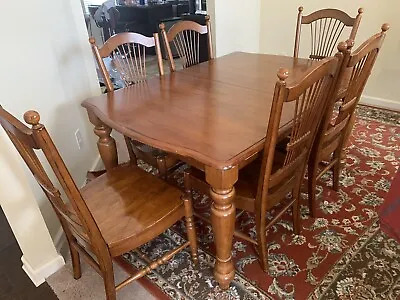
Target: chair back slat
[
  {"x": 127, "y": 52},
  {"x": 326, "y": 28},
  {"x": 361, "y": 63},
  {"x": 308, "y": 97},
  {"x": 185, "y": 36},
  {"x": 29, "y": 140}
]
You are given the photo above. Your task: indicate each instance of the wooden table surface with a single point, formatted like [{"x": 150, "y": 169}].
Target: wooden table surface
[{"x": 215, "y": 114}]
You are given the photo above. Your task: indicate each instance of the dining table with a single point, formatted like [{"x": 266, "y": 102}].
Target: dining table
[{"x": 213, "y": 115}]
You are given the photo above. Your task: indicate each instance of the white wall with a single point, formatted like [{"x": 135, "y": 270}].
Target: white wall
[
  {"x": 278, "y": 21},
  {"x": 47, "y": 65},
  {"x": 236, "y": 25},
  {"x": 40, "y": 258}
]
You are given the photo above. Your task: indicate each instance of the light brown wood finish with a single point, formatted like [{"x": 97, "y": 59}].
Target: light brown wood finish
[
  {"x": 214, "y": 114},
  {"x": 326, "y": 29},
  {"x": 279, "y": 174},
  {"x": 335, "y": 130},
  {"x": 185, "y": 35},
  {"x": 128, "y": 53},
  {"x": 113, "y": 214},
  {"x": 220, "y": 124}
]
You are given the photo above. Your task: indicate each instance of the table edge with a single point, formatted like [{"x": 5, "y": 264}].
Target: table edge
[{"x": 179, "y": 150}]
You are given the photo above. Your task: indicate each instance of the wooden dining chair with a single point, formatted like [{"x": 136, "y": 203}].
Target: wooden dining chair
[
  {"x": 268, "y": 182},
  {"x": 327, "y": 26},
  {"x": 185, "y": 36},
  {"x": 128, "y": 54},
  {"x": 336, "y": 127},
  {"x": 113, "y": 214}
]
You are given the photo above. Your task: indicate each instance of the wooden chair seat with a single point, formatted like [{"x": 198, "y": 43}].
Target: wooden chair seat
[
  {"x": 148, "y": 149},
  {"x": 131, "y": 207},
  {"x": 116, "y": 212}
]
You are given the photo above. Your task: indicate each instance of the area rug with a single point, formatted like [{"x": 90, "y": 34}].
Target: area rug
[
  {"x": 389, "y": 212},
  {"x": 342, "y": 254}
]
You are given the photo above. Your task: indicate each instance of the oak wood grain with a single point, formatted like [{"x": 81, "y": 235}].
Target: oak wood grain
[
  {"x": 224, "y": 105},
  {"x": 115, "y": 213},
  {"x": 214, "y": 115}
]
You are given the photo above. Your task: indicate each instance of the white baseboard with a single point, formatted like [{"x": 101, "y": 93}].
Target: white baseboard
[
  {"x": 38, "y": 276},
  {"x": 381, "y": 102}
]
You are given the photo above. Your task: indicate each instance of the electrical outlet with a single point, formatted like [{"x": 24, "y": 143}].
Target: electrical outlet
[{"x": 79, "y": 139}]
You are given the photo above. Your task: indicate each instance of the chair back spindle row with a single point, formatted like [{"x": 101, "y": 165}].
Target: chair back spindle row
[
  {"x": 128, "y": 55},
  {"x": 326, "y": 29}
]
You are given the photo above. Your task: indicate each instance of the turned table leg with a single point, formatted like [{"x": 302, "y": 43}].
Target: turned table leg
[
  {"x": 223, "y": 221},
  {"x": 106, "y": 143}
]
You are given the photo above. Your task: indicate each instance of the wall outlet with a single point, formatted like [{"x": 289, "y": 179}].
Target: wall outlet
[{"x": 79, "y": 139}]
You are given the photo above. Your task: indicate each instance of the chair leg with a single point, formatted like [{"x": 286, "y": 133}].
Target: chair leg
[
  {"x": 191, "y": 231},
  {"x": 296, "y": 216},
  {"x": 76, "y": 262},
  {"x": 262, "y": 243},
  {"x": 162, "y": 167},
  {"x": 337, "y": 170},
  {"x": 312, "y": 186},
  {"x": 108, "y": 278},
  {"x": 347, "y": 134},
  {"x": 132, "y": 155}
]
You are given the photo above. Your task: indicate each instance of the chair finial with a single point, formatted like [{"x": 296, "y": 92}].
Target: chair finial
[
  {"x": 283, "y": 74},
  {"x": 162, "y": 26},
  {"x": 350, "y": 44},
  {"x": 385, "y": 27},
  {"x": 207, "y": 18},
  {"x": 342, "y": 47},
  {"x": 301, "y": 8},
  {"x": 92, "y": 40},
  {"x": 32, "y": 117},
  {"x": 361, "y": 10}
]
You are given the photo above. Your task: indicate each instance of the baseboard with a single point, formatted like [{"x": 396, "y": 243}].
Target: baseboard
[
  {"x": 38, "y": 276},
  {"x": 381, "y": 102}
]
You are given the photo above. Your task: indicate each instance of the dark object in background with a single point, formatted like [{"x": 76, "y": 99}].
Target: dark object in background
[{"x": 192, "y": 6}]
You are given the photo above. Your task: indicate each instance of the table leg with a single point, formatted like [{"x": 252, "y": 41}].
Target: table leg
[
  {"x": 106, "y": 143},
  {"x": 223, "y": 221}
]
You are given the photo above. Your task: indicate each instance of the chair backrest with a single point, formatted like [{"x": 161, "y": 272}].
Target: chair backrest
[
  {"x": 75, "y": 218},
  {"x": 185, "y": 36},
  {"x": 127, "y": 51},
  {"x": 326, "y": 26},
  {"x": 354, "y": 73},
  {"x": 308, "y": 96}
]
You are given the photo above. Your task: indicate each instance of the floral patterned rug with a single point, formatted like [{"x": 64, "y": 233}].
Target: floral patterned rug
[{"x": 340, "y": 255}]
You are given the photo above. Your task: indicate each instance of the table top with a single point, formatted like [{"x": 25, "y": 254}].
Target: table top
[{"x": 216, "y": 112}]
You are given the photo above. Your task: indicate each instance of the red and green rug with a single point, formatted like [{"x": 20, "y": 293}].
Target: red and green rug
[{"x": 340, "y": 255}]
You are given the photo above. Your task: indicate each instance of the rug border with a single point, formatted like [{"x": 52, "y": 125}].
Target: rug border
[{"x": 369, "y": 233}]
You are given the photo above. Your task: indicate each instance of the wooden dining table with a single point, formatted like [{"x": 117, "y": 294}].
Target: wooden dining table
[{"x": 214, "y": 115}]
